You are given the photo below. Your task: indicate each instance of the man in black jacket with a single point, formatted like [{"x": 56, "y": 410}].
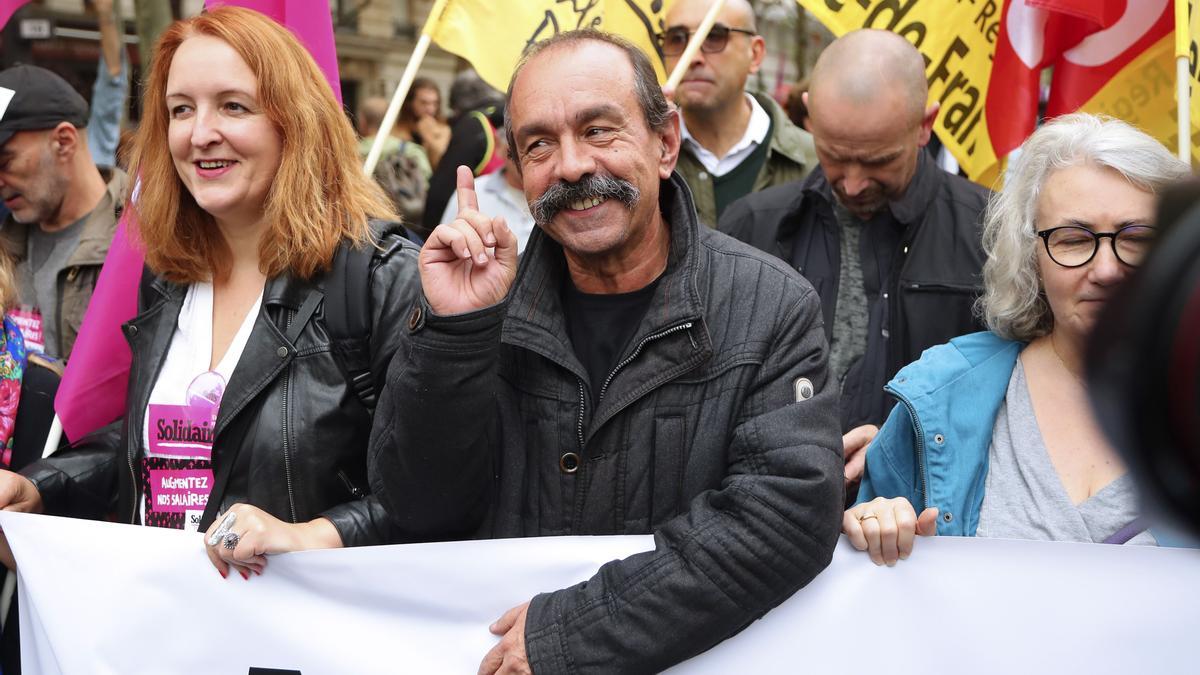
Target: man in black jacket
[
  {"x": 640, "y": 373},
  {"x": 890, "y": 241}
]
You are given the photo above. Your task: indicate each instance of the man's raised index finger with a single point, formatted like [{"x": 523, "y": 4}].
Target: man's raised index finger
[{"x": 466, "y": 189}]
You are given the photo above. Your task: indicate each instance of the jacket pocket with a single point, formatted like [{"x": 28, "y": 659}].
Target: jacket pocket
[{"x": 932, "y": 313}]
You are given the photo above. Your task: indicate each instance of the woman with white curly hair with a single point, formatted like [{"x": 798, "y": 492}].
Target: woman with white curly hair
[{"x": 993, "y": 435}]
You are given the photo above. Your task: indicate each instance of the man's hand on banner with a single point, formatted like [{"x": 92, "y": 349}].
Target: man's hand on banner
[
  {"x": 254, "y": 534},
  {"x": 17, "y": 493},
  {"x": 470, "y": 263},
  {"x": 886, "y": 528},
  {"x": 509, "y": 655}
]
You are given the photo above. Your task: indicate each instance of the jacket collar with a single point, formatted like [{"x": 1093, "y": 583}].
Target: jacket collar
[
  {"x": 909, "y": 209},
  {"x": 535, "y": 318},
  {"x": 787, "y": 139},
  {"x": 265, "y": 355},
  {"x": 284, "y": 290}
]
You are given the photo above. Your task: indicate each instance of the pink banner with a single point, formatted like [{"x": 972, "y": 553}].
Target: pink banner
[
  {"x": 7, "y": 7},
  {"x": 92, "y": 392}
]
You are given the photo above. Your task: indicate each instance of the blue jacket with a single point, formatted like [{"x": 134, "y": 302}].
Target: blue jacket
[{"x": 933, "y": 449}]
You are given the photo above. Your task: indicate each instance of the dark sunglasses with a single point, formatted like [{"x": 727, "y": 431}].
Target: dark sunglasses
[{"x": 674, "y": 40}]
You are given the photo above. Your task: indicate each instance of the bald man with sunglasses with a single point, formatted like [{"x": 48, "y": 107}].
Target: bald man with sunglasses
[{"x": 734, "y": 143}]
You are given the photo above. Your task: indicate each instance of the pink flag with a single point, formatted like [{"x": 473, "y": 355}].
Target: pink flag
[
  {"x": 313, "y": 27},
  {"x": 7, "y": 7},
  {"x": 92, "y": 392}
]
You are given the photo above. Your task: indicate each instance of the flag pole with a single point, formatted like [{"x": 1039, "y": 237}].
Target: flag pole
[
  {"x": 406, "y": 80},
  {"x": 693, "y": 46},
  {"x": 53, "y": 437},
  {"x": 1183, "y": 96}
]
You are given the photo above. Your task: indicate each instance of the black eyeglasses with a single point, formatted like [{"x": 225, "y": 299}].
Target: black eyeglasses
[
  {"x": 1075, "y": 246},
  {"x": 674, "y": 40}
]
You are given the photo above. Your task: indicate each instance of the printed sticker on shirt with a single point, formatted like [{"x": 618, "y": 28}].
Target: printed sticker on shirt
[
  {"x": 176, "y": 491},
  {"x": 180, "y": 431},
  {"x": 29, "y": 320},
  {"x": 180, "y": 491}
]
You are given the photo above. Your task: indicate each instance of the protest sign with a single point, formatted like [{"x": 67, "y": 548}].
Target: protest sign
[{"x": 99, "y": 597}]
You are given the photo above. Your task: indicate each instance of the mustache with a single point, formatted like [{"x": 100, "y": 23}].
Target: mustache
[{"x": 561, "y": 194}]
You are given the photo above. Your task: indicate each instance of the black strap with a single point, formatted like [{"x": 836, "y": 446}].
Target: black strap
[
  {"x": 303, "y": 315},
  {"x": 348, "y": 317}
]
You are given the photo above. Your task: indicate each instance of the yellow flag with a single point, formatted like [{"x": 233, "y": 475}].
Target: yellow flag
[
  {"x": 492, "y": 34},
  {"x": 1193, "y": 36},
  {"x": 957, "y": 40},
  {"x": 1143, "y": 93}
]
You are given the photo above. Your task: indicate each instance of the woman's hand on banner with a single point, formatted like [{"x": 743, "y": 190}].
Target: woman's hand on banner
[
  {"x": 886, "y": 528},
  {"x": 17, "y": 493},
  {"x": 243, "y": 537}
]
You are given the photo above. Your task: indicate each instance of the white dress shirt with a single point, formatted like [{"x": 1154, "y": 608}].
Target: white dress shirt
[{"x": 756, "y": 133}]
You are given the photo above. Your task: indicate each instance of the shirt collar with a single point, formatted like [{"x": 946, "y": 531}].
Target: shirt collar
[{"x": 756, "y": 130}]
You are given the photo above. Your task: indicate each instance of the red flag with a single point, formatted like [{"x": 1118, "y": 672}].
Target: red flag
[
  {"x": 7, "y": 7},
  {"x": 92, "y": 392},
  {"x": 1089, "y": 65},
  {"x": 1086, "y": 41}
]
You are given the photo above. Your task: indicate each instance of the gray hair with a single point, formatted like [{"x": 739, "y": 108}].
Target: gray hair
[
  {"x": 1013, "y": 304},
  {"x": 649, "y": 95}
]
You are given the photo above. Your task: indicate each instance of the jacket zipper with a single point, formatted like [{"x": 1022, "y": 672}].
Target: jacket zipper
[
  {"x": 134, "y": 482},
  {"x": 287, "y": 455},
  {"x": 129, "y": 452},
  {"x": 579, "y": 422},
  {"x": 920, "y": 432},
  {"x": 626, "y": 361}
]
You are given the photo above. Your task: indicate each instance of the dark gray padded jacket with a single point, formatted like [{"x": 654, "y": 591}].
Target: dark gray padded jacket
[{"x": 717, "y": 432}]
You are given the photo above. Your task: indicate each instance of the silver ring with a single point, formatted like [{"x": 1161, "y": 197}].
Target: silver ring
[
  {"x": 230, "y": 541},
  {"x": 222, "y": 529}
]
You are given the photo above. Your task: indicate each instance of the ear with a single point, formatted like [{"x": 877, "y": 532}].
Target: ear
[
  {"x": 66, "y": 140},
  {"x": 670, "y": 139},
  {"x": 927, "y": 121},
  {"x": 758, "y": 51}
]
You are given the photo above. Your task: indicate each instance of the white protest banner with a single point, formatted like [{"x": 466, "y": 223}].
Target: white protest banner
[{"x": 103, "y": 598}]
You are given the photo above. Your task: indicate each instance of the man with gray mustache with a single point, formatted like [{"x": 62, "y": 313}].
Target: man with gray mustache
[{"x": 635, "y": 373}]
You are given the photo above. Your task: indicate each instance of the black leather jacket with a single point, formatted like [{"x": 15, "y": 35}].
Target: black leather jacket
[{"x": 295, "y": 431}]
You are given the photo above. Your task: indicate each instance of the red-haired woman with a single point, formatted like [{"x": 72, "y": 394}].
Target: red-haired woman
[{"x": 239, "y": 401}]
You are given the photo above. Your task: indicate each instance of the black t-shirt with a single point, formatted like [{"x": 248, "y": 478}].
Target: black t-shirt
[{"x": 601, "y": 325}]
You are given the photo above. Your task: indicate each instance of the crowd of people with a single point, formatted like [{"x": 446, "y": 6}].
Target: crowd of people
[{"x": 577, "y": 307}]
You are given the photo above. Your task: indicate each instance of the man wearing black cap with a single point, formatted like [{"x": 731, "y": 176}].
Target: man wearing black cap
[{"x": 63, "y": 208}]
